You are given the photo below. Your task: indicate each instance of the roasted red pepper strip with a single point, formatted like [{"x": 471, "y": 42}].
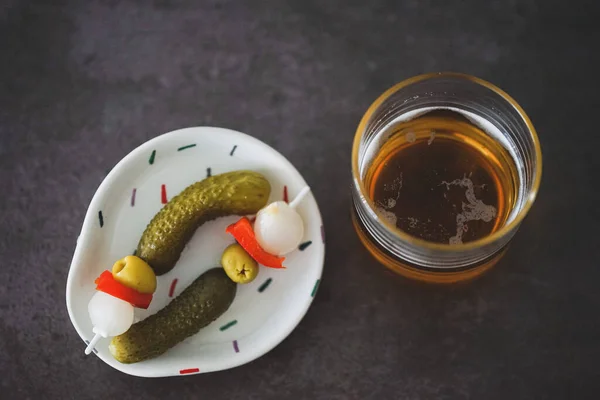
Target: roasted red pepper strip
[
  {"x": 107, "y": 284},
  {"x": 243, "y": 232}
]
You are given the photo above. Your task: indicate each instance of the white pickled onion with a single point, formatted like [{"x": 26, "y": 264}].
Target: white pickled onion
[
  {"x": 278, "y": 228},
  {"x": 110, "y": 316}
]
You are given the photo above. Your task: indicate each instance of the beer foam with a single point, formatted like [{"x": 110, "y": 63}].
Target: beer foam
[
  {"x": 475, "y": 210},
  {"x": 389, "y": 216},
  {"x": 396, "y": 185},
  {"x": 413, "y": 222},
  {"x": 431, "y": 137},
  {"x": 390, "y": 202}
]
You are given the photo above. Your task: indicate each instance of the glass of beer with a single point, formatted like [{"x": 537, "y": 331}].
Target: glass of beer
[{"x": 445, "y": 167}]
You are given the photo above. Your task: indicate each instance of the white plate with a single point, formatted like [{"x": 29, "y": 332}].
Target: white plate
[{"x": 266, "y": 310}]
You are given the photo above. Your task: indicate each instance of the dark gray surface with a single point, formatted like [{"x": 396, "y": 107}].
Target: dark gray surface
[{"x": 83, "y": 83}]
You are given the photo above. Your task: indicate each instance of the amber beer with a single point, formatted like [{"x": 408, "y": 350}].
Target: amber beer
[{"x": 445, "y": 167}]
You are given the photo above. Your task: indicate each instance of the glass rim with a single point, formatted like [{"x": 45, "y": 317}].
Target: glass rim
[{"x": 478, "y": 243}]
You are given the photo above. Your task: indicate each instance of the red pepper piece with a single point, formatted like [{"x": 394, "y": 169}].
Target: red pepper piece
[
  {"x": 243, "y": 232},
  {"x": 106, "y": 283}
]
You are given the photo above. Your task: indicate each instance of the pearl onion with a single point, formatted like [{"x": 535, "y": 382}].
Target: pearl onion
[
  {"x": 110, "y": 316},
  {"x": 278, "y": 228}
]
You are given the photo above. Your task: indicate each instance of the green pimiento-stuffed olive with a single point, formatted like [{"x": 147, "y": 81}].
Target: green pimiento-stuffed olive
[
  {"x": 238, "y": 264},
  {"x": 134, "y": 273}
]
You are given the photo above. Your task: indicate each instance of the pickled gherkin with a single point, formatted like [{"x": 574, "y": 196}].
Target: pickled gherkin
[
  {"x": 233, "y": 193},
  {"x": 207, "y": 298}
]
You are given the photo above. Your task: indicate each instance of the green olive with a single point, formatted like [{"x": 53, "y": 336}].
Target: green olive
[
  {"x": 135, "y": 273},
  {"x": 239, "y": 266}
]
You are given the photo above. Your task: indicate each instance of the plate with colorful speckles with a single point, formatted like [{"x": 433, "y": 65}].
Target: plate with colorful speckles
[{"x": 264, "y": 311}]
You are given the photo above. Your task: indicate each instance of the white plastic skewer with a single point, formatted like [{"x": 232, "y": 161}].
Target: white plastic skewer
[
  {"x": 294, "y": 203},
  {"x": 92, "y": 344}
]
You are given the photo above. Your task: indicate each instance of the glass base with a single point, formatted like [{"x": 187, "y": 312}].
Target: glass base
[{"x": 423, "y": 274}]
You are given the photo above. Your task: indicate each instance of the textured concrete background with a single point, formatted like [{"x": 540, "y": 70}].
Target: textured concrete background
[{"x": 83, "y": 83}]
